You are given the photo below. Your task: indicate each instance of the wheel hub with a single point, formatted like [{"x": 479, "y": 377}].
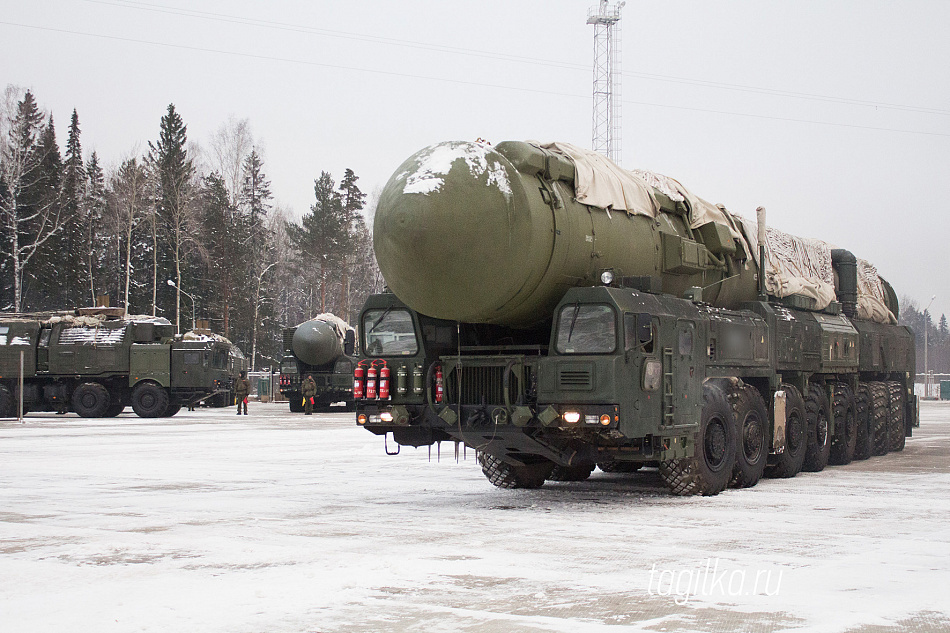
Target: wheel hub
[{"x": 715, "y": 443}]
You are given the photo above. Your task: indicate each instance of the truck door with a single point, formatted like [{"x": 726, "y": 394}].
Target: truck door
[{"x": 682, "y": 386}]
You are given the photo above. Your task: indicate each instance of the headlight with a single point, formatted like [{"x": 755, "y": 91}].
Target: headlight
[
  {"x": 572, "y": 417},
  {"x": 386, "y": 416},
  {"x": 607, "y": 277},
  {"x": 605, "y": 419}
]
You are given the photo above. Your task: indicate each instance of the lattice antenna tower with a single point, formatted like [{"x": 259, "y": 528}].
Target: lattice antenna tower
[{"x": 606, "y": 122}]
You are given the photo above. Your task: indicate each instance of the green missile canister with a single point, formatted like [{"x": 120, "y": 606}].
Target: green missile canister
[
  {"x": 317, "y": 342},
  {"x": 480, "y": 234}
]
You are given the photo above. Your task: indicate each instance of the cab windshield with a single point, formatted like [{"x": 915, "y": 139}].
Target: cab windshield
[
  {"x": 389, "y": 332},
  {"x": 586, "y": 329}
]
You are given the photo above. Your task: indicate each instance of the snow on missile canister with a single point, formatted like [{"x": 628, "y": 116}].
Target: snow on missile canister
[{"x": 556, "y": 312}]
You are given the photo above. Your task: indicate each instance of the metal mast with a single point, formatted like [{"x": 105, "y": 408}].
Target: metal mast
[{"x": 606, "y": 127}]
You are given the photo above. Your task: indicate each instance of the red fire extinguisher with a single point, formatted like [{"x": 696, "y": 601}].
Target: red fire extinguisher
[
  {"x": 439, "y": 386},
  {"x": 358, "y": 381},
  {"x": 371, "y": 382},
  {"x": 384, "y": 381}
]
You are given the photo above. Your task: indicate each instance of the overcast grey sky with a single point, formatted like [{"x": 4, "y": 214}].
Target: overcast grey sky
[{"x": 834, "y": 115}]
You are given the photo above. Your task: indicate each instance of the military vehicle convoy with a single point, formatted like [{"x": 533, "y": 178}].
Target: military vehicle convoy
[
  {"x": 318, "y": 348},
  {"x": 556, "y": 313},
  {"x": 96, "y": 362}
]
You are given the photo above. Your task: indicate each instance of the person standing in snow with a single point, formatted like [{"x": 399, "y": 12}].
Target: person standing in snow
[
  {"x": 309, "y": 391},
  {"x": 241, "y": 388}
]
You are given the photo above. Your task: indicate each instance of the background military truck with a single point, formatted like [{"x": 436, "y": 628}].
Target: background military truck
[
  {"x": 237, "y": 363},
  {"x": 318, "y": 348},
  {"x": 555, "y": 312},
  {"x": 96, "y": 362}
]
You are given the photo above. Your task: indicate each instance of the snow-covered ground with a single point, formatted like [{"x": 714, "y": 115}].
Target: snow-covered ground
[{"x": 278, "y": 522}]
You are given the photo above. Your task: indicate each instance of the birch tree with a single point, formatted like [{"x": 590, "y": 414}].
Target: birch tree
[
  {"x": 128, "y": 204},
  {"x": 28, "y": 220}
]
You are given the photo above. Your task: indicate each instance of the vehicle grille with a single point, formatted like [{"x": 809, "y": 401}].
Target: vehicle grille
[
  {"x": 574, "y": 379},
  {"x": 289, "y": 338},
  {"x": 480, "y": 385}
]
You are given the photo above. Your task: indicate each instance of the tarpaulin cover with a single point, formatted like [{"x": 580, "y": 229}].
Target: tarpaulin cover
[{"x": 794, "y": 265}]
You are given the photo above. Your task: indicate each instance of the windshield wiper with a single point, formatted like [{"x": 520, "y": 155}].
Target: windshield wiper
[
  {"x": 380, "y": 319},
  {"x": 570, "y": 332}
]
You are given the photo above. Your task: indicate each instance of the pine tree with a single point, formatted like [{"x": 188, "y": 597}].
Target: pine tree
[
  {"x": 74, "y": 244},
  {"x": 102, "y": 259},
  {"x": 255, "y": 198},
  {"x": 225, "y": 233},
  {"x": 172, "y": 171},
  {"x": 352, "y": 201},
  {"x": 318, "y": 239}
]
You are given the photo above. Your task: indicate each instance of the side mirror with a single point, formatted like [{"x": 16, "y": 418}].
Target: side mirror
[
  {"x": 349, "y": 342},
  {"x": 644, "y": 328}
]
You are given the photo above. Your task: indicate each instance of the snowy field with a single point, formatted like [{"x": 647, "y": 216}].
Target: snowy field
[{"x": 278, "y": 522}]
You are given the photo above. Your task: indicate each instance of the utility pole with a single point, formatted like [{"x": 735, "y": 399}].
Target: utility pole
[
  {"x": 606, "y": 119},
  {"x": 927, "y": 380}
]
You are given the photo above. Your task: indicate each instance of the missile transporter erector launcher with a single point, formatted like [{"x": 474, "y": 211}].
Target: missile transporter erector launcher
[
  {"x": 557, "y": 313},
  {"x": 98, "y": 362},
  {"x": 322, "y": 348}
]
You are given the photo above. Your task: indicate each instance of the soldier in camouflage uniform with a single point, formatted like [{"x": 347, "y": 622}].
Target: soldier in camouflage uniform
[
  {"x": 309, "y": 391},
  {"x": 241, "y": 388}
]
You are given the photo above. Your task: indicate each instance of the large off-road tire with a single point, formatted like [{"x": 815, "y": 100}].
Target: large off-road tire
[
  {"x": 149, "y": 400},
  {"x": 895, "y": 422},
  {"x": 752, "y": 434},
  {"x": 115, "y": 409},
  {"x": 709, "y": 470},
  {"x": 91, "y": 400},
  {"x": 618, "y": 466},
  {"x": 789, "y": 462},
  {"x": 505, "y": 475},
  {"x": 862, "y": 418},
  {"x": 571, "y": 473},
  {"x": 818, "y": 446},
  {"x": 879, "y": 415},
  {"x": 845, "y": 438},
  {"x": 8, "y": 406}
]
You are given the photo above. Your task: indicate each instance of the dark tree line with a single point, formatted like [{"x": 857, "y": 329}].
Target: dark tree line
[
  {"x": 937, "y": 339},
  {"x": 177, "y": 231}
]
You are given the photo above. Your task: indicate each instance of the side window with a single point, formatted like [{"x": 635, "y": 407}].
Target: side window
[
  {"x": 686, "y": 339},
  {"x": 630, "y": 340},
  {"x": 192, "y": 358},
  {"x": 638, "y": 332}
]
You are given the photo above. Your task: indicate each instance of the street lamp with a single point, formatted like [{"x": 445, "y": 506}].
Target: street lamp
[{"x": 193, "y": 322}]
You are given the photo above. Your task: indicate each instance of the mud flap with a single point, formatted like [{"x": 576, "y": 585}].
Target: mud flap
[{"x": 778, "y": 422}]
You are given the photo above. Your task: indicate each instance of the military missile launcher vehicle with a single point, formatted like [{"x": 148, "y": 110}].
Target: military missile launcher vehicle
[
  {"x": 323, "y": 348},
  {"x": 555, "y": 313},
  {"x": 96, "y": 362}
]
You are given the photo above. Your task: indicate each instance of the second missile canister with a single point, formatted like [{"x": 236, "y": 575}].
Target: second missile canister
[{"x": 317, "y": 342}]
